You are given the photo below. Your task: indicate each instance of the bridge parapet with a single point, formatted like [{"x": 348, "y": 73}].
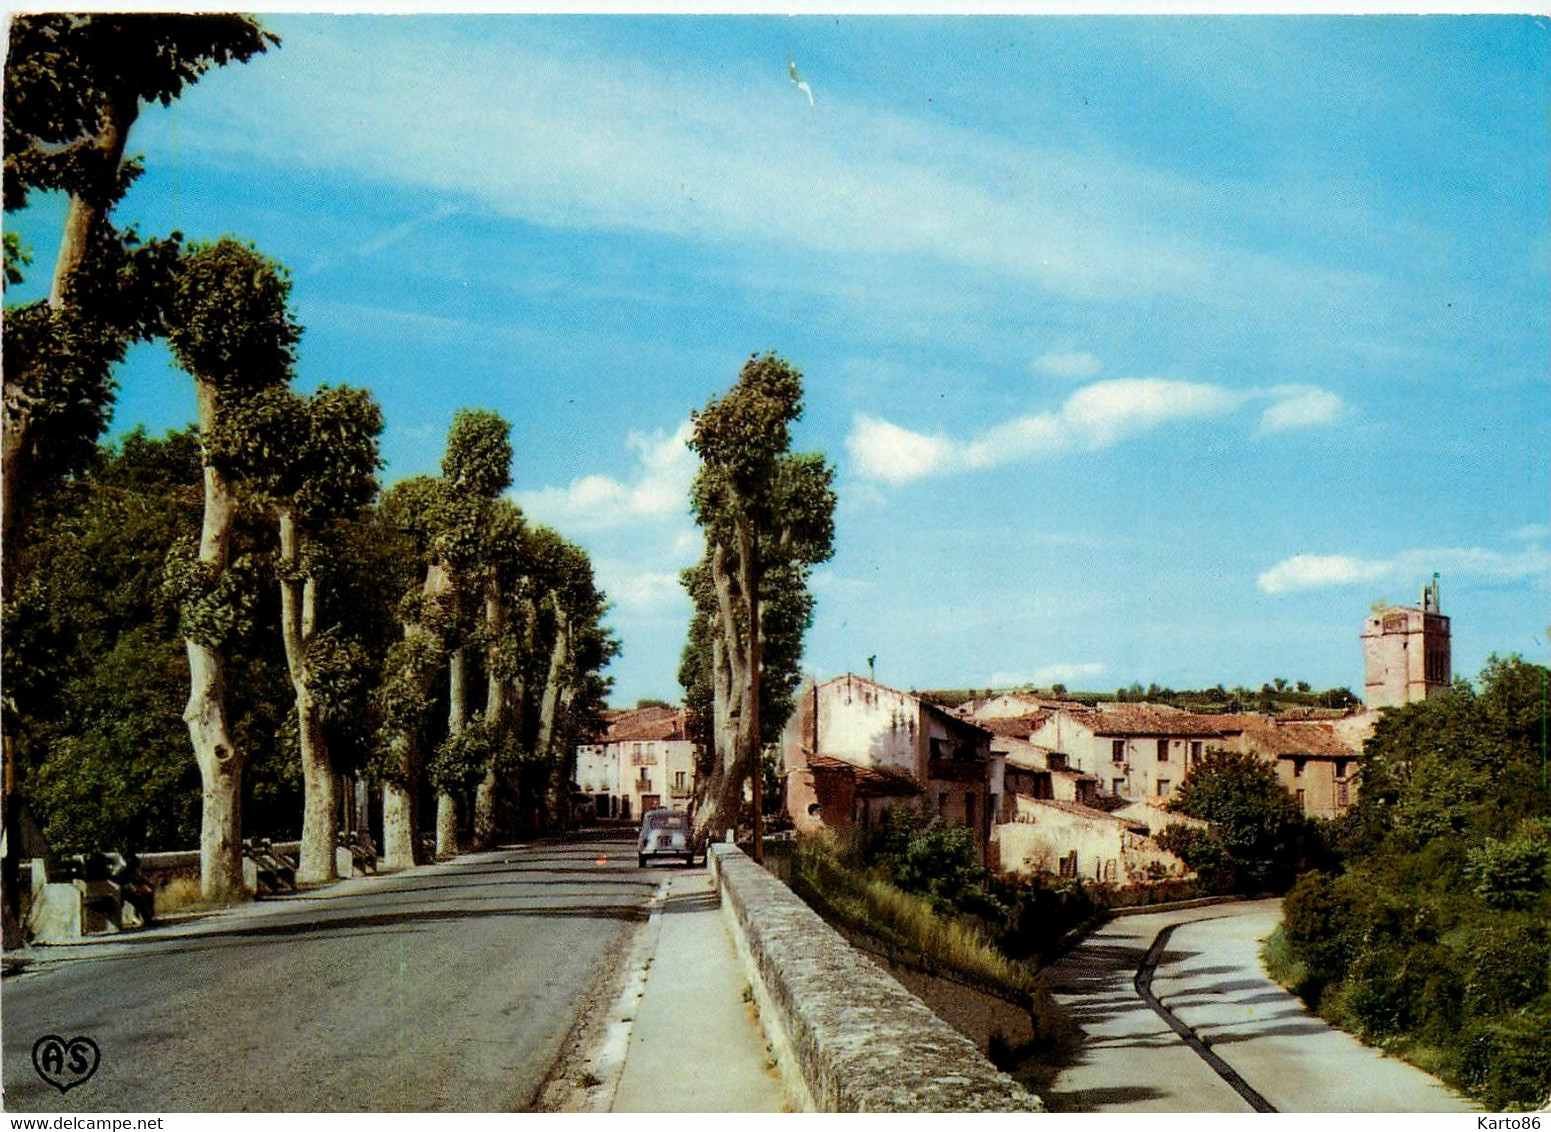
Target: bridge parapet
[{"x": 847, "y": 1036}]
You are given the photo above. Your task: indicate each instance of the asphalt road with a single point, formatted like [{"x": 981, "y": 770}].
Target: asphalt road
[
  {"x": 1209, "y": 978},
  {"x": 446, "y": 988}
]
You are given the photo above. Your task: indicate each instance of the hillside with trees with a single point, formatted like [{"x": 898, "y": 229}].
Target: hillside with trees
[{"x": 1431, "y": 936}]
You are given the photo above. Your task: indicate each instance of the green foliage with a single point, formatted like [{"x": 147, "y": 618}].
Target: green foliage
[
  {"x": 478, "y": 459},
  {"x": 215, "y": 606},
  {"x": 229, "y": 322},
  {"x": 1434, "y": 933},
  {"x": 1259, "y": 838},
  {"x": 95, "y": 669},
  {"x": 62, "y": 70},
  {"x": 924, "y": 856},
  {"x": 461, "y": 759},
  {"x": 1512, "y": 873}
]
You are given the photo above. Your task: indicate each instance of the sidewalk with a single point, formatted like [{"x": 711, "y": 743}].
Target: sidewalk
[{"x": 694, "y": 1043}]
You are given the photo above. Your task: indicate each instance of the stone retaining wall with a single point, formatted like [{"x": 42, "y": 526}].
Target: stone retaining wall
[{"x": 848, "y": 1037}]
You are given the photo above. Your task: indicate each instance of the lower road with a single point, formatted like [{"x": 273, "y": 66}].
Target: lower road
[
  {"x": 445, "y": 988},
  {"x": 1227, "y": 1039}
]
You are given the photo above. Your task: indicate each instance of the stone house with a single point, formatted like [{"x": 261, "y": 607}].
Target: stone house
[
  {"x": 1072, "y": 840},
  {"x": 1314, "y": 763},
  {"x": 1136, "y": 751},
  {"x": 645, "y": 760},
  {"x": 854, "y": 748},
  {"x": 1031, "y": 770}
]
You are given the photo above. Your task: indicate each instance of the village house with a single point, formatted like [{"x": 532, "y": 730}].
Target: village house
[
  {"x": 1136, "y": 751},
  {"x": 1313, "y": 762},
  {"x": 1080, "y": 842},
  {"x": 646, "y": 760},
  {"x": 1031, "y": 770},
  {"x": 854, "y": 748}
]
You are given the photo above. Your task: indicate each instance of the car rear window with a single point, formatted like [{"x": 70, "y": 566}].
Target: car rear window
[{"x": 665, "y": 821}]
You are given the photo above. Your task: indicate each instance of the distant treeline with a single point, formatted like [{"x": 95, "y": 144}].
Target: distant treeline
[{"x": 1277, "y": 696}]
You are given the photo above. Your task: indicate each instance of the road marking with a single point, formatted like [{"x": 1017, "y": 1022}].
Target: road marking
[{"x": 1143, "y": 985}]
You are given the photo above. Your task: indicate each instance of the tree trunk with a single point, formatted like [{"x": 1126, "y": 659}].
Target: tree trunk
[
  {"x": 401, "y": 802},
  {"x": 400, "y": 822},
  {"x": 732, "y": 684},
  {"x": 485, "y": 796},
  {"x": 749, "y": 746},
  {"x": 220, "y": 762},
  {"x": 87, "y": 214},
  {"x": 558, "y": 796},
  {"x": 298, "y": 623},
  {"x": 84, "y": 217},
  {"x": 457, "y": 719}
]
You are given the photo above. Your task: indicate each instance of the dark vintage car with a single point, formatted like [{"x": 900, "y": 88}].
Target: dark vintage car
[{"x": 665, "y": 833}]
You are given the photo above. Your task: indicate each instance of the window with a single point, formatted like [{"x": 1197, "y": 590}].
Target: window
[
  {"x": 942, "y": 803},
  {"x": 1120, "y": 786},
  {"x": 1340, "y": 768},
  {"x": 1343, "y": 794},
  {"x": 1302, "y": 803},
  {"x": 680, "y": 779},
  {"x": 969, "y": 809},
  {"x": 1298, "y": 767},
  {"x": 1163, "y": 787},
  {"x": 1117, "y": 750},
  {"x": 1195, "y": 751},
  {"x": 1163, "y": 750}
]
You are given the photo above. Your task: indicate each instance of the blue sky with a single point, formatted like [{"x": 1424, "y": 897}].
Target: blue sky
[{"x": 1147, "y": 349}]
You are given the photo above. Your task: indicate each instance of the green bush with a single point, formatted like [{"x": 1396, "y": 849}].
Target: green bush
[
  {"x": 1503, "y": 1062},
  {"x": 1513, "y": 873},
  {"x": 1507, "y": 968}
]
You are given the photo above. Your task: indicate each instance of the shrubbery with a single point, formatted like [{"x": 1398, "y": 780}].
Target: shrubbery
[{"x": 1433, "y": 935}]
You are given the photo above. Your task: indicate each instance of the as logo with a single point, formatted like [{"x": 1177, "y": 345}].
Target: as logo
[{"x": 65, "y": 1064}]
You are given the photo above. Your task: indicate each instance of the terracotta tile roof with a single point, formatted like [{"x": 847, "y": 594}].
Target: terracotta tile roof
[
  {"x": 1013, "y": 727},
  {"x": 871, "y": 781},
  {"x": 640, "y": 725},
  {"x": 1150, "y": 719},
  {"x": 1077, "y": 809},
  {"x": 1287, "y": 740}
]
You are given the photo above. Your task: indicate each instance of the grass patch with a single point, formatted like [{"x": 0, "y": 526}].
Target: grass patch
[
  {"x": 1277, "y": 958},
  {"x": 867, "y": 904},
  {"x": 182, "y": 894}
]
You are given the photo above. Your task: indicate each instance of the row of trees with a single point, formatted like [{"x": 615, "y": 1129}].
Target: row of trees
[{"x": 309, "y": 619}]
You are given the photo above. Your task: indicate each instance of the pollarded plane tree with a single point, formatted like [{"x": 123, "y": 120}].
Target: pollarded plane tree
[
  {"x": 312, "y": 462},
  {"x": 403, "y": 701},
  {"x": 457, "y": 527},
  {"x": 579, "y": 648},
  {"x": 476, "y": 468},
  {"x": 767, "y": 514},
  {"x": 230, "y": 328},
  {"x": 74, "y": 86}
]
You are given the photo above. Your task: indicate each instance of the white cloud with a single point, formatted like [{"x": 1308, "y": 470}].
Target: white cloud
[
  {"x": 887, "y": 452},
  {"x": 1301, "y": 407},
  {"x": 1070, "y": 364},
  {"x": 638, "y": 591},
  {"x": 550, "y": 130},
  {"x": 1533, "y": 532},
  {"x": 1092, "y": 418},
  {"x": 1318, "y": 571},
  {"x": 1323, "y": 571},
  {"x": 1049, "y": 674},
  {"x": 658, "y": 491}
]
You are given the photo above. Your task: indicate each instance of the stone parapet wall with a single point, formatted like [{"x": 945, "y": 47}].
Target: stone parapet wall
[{"x": 848, "y": 1037}]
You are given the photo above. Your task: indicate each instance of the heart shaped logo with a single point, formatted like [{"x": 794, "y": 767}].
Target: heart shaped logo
[{"x": 65, "y": 1064}]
